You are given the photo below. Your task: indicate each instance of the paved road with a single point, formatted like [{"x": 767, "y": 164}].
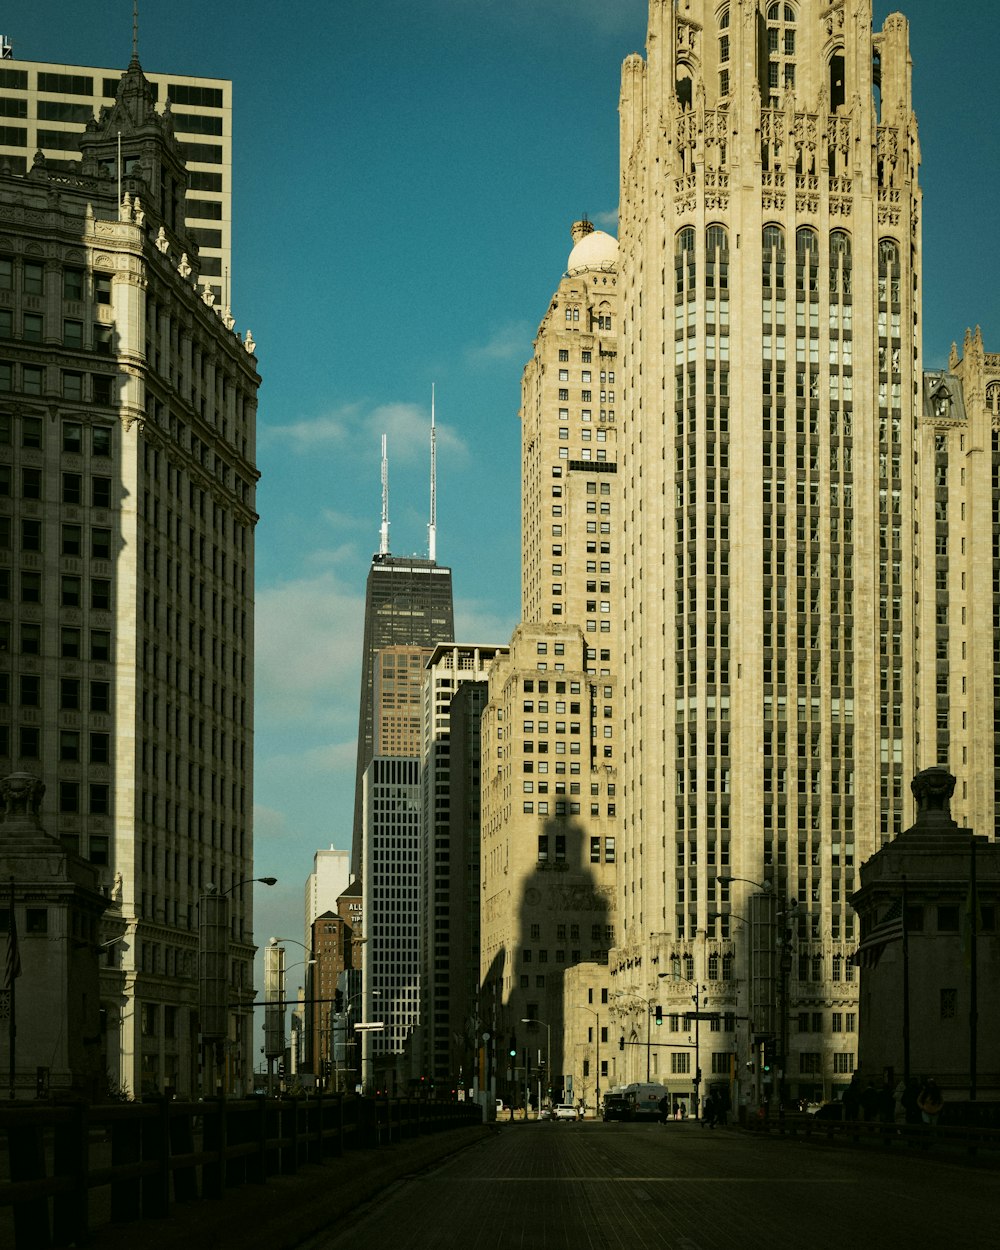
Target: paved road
[{"x": 678, "y": 1187}]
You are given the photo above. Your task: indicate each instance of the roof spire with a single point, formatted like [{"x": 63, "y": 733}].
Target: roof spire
[
  {"x": 432, "y": 527},
  {"x": 135, "y": 33},
  {"x": 383, "y": 546}
]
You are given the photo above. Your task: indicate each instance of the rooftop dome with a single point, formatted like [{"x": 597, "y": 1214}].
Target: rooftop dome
[{"x": 595, "y": 250}]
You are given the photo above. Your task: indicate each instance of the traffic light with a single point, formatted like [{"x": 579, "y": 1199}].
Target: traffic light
[
  {"x": 659, "y": 1015},
  {"x": 621, "y": 1043},
  {"x": 338, "y": 1001},
  {"x": 769, "y": 1053},
  {"x": 512, "y": 1048},
  {"x": 281, "y": 1067}
]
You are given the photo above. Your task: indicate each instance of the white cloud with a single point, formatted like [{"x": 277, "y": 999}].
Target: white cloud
[
  {"x": 507, "y": 342},
  {"x": 308, "y": 649},
  {"x": 356, "y": 429},
  {"x": 477, "y": 622},
  {"x": 331, "y": 429},
  {"x": 607, "y": 220}
]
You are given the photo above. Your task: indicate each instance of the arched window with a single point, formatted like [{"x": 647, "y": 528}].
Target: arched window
[
  {"x": 713, "y": 966},
  {"x": 724, "y": 20},
  {"x": 716, "y": 238},
  {"x": 688, "y": 967},
  {"x": 780, "y": 47},
  {"x": 685, "y": 240},
  {"x": 888, "y": 252},
  {"x": 773, "y": 238},
  {"x": 675, "y": 967},
  {"x": 806, "y": 240},
  {"x": 993, "y": 397},
  {"x": 840, "y": 243},
  {"x": 727, "y": 967}
]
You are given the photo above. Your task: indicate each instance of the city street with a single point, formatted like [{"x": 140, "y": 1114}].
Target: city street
[{"x": 675, "y": 1187}]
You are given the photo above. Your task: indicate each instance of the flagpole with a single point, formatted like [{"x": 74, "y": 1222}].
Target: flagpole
[
  {"x": 973, "y": 972},
  {"x": 11, "y": 1025},
  {"x": 906, "y": 988}
]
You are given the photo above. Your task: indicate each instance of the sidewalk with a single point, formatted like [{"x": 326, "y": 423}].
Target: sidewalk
[{"x": 289, "y": 1209}]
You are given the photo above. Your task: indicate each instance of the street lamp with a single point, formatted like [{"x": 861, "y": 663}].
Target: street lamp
[
  {"x": 597, "y": 1086},
  {"x": 548, "y": 1057},
  {"x": 649, "y": 1014},
  {"x": 213, "y": 973}
]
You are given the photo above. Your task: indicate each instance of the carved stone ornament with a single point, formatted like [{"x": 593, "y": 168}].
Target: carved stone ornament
[
  {"x": 249, "y": 344},
  {"x": 22, "y": 798},
  {"x": 933, "y": 788},
  {"x": 162, "y": 242},
  {"x": 184, "y": 269}
]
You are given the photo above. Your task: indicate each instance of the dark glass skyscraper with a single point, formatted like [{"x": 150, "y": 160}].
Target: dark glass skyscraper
[{"x": 408, "y": 602}]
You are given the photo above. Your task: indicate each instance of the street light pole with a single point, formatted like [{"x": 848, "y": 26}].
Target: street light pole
[
  {"x": 597, "y": 1042},
  {"x": 548, "y": 1058}
]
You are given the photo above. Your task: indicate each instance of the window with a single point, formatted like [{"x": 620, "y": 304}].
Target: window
[
  {"x": 72, "y": 540},
  {"x": 73, "y": 284},
  {"x": 31, "y": 535},
  {"x": 70, "y": 592},
  {"x": 100, "y": 696},
  {"x": 100, "y": 748},
  {"x": 69, "y": 745},
  {"x": 69, "y": 694},
  {"x": 31, "y": 483},
  {"x": 34, "y": 278},
  {"x": 102, "y": 288},
  {"x": 100, "y": 799},
  {"x": 680, "y": 1063},
  {"x": 100, "y": 438},
  {"x": 72, "y": 385},
  {"x": 101, "y": 492},
  {"x": 32, "y": 331},
  {"x": 31, "y": 380},
  {"x": 31, "y": 431},
  {"x": 72, "y": 436},
  {"x": 72, "y": 488},
  {"x": 100, "y": 594},
  {"x": 30, "y": 690},
  {"x": 31, "y": 639},
  {"x": 28, "y": 742},
  {"x": 100, "y": 544},
  {"x": 31, "y": 587},
  {"x": 100, "y": 645}
]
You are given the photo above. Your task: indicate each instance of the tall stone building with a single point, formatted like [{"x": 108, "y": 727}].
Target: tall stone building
[
  {"x": 551, "y": 737},
  {"x": 770, "y": 266},
  {"x": 45, "y": 106},
  {"x": 127, "y": 483},
  {"x": 453, "y": 696}
]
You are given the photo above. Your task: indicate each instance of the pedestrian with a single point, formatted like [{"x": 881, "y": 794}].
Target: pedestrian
[
  {"x": 852, "y": 1098},
  {"x": 911, "y": 1101},
  {"x": 680, "y": 1111},
  {"x": 930, "y": 1102},
  {"x": 886, "y": 1103},
  {"x": 709, "y": 1110},
  {"x": 899, "y": 1102},
  {"x": 664, "y": 1108},
  {"x": 869, "y": 1101}
]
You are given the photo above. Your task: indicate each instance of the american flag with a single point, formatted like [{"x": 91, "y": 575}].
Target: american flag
[
  {"x": 12, "y": 967},
  {"x": 888, "y": 929}
]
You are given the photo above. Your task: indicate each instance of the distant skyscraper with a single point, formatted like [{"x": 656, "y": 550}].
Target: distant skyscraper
[
  {"x": 46, "y": 106},
  {"x": 408, "y": 604},
  {"x": 127, "y": 444},
  {"x": 551, "y": 732},
  {"x": 453, "y": 697}
]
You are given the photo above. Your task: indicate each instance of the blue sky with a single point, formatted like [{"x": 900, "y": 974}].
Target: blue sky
[{"x": 405, "y": 177}]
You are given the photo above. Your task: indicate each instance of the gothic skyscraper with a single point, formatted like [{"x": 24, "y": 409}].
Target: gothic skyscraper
[{"x": 770, "y": 377}]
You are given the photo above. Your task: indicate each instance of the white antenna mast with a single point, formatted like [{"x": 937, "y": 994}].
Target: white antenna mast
[
  {"x": 432, "y": 527},
  {"x": 383, "y": 546}
]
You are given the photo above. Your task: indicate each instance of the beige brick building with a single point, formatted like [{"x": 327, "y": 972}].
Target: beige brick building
[
  {"x": 44, "y": 107},
  {"x": 551, "y": 730}
]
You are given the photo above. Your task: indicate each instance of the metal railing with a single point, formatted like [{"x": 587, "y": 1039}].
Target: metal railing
[{"x": 69, "y": 1169}]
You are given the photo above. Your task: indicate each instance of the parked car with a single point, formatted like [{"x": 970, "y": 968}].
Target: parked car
[
  {"x": 564, "y": 1111},
  {"x": 614, "y": 1107}
]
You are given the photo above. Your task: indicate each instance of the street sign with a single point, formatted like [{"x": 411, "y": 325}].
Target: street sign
[
  {"x": 369, "y": 1028},
  {"x": 703, "y": 1015}
]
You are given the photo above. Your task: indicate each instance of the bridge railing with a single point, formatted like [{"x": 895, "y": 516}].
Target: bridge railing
[{"x": 67, "y": 1169}]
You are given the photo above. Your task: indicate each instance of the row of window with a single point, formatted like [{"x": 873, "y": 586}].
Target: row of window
[
  {"x": 33, "y": 331},
  {"x": 71, "y": 486},
  {"x": 74, "y": 281},
  {"x": 71, "y": 590},
  {"x": 29, "y": 379},
  {"x": 70, "y": 692},
  {"x": 71, "y": 742},
  {"x": 72, "y": 543}
]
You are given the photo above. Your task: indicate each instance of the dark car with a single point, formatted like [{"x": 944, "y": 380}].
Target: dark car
[{"x": 614, "y": 1107}]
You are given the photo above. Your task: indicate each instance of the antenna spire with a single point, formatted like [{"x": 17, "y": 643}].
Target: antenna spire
[
  {"x": 383, "y": 546},
  {"x": 135, "y": 31},
  {"x": 432, "y": 527}
]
